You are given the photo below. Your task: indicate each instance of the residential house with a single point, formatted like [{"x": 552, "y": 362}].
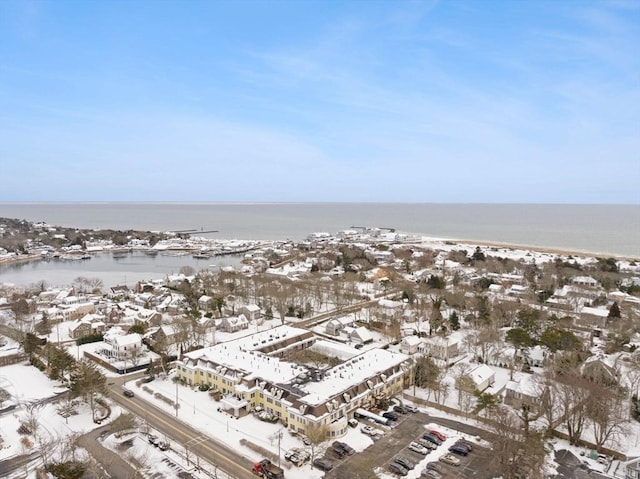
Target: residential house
[
  {"x": 482, "y": 376},
  {"x": 596, "y": 370},
  {"x": 233, "y": 324},
  {"x": 410, "y": 344},
  {"x": 361, "y": 335},
  {"x": 525, "y": 391},
  {"x": 536, "y": 356},
  {"x": 165, "y": 334},
  {"x": 593, "y": 317},
  {"x": 336, "y": 325},
  {"x": 121, "y": 346},
  {"x": 205, "y": 303},
  {"x": 251, "y": 311},
  {"x": 444, "y": 348},
  {"x": 87, "y": 325},
  {"x": 632, "y": 469}
]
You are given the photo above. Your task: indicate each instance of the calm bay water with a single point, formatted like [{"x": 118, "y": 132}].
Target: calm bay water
[{"x": 111, "y": 269}]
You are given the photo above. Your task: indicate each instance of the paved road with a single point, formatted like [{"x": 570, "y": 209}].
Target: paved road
[
  {"x": 184, "y": 437},
  {"x": 571, "y": 467},
  {"x": 108, "y": 460},
  {"x": 10, "y": 465}
]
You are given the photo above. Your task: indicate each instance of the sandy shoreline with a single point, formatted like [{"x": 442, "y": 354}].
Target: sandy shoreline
[{"x": 541, "y": 249}]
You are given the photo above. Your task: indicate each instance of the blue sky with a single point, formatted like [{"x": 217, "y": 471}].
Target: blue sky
[{"x": 450, "y": 101}]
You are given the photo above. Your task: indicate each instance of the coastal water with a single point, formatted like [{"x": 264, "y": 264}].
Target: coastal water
[
  {"x": 602, "y": 229},
  {"x": 125, "y": 269},
  {"x": 598, "y": 229}
]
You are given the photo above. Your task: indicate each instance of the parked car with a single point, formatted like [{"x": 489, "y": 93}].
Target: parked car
[
  {"x": 323, "y": 463},
  {"x": 415, "y": 447},
  {"x": 438, "y": 434},
  {"x": 338, "y": 451},
  {"x": 466, "y": 444},
  {"x": 427, "y": 444},
  {"x": 435, "y": 466},
  {"x": 352, "y": 422},
  {"x": 450, "y": 459},
  {"x": 404, "y": 462},
  {"x": 344, "y": 446},
  {"x": 369, "y": 431},
  {"x": 128, "y": 393},
  {"x": 431, "y": 438},
  {"x": 459, "y": 450},
  {"x": 431, "y": 474},
  {"x": 398, "y": 469},
  {"x": 392, "y": 416},
  {"x": 164, "y": 446},
  {"x": 400, "y": 409},
  {"x": 411, "y": 408},
  {"x": 154, "y": 440}
]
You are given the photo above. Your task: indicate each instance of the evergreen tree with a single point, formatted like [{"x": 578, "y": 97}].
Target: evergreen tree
[
  {"x": 454, "y": 321},
  {"x": 614, "y": 311}
]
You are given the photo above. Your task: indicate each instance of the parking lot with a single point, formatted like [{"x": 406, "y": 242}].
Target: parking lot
[{"x": 479, "y": 464}]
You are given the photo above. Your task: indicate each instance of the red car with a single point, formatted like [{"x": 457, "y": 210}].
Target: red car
[{"x": 438, "y": 434}]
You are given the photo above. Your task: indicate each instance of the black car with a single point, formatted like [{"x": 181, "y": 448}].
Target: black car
[
  {"x": 400, "y": 409},
  {"x": 392, "y": 416},
  {"x": 459, "y": 450},
  {"x": 128, "y": 393},
  {"x": 404, "y": 462},
  {"x": 463, "y": 446},
  {"x": 323, "y": 464},
  {"x": 431, "y": 438},
  {"x": 467, "y": 444},
  {"x": 338, "y": 451},
  {"x": 398, "y": 469},
  {"x": 344, "y": 446}
]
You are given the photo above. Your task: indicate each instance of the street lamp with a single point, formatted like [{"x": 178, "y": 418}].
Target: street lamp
[{"x": 176, "y": 398}]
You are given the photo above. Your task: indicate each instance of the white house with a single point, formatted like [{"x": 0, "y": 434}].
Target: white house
[
  {"x": 440, "y": 348},
  {"x": 361, "y": 335},
  {"x": 121, "y": 346},
  {"x": 250, "y": 311},
  {"x": 409, "y": 344},
  {"x": 233, "y": 324},
  {"x": 482, "y": 376}
]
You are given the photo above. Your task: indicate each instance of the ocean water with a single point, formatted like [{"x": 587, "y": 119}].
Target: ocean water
[{"x": 598, "y": 229}]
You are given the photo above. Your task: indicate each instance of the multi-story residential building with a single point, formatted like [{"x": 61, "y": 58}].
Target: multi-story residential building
[{"x": 251, "y": 376}]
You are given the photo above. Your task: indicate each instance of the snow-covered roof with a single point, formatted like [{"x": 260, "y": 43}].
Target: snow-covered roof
[
  {"x": 480, "y": 373},
  {"x": 354, "y": 371},
  {"x": 127, "y": 340},
  {"x": 362, "y": 333},
  {"x": 412, "y": 340}
]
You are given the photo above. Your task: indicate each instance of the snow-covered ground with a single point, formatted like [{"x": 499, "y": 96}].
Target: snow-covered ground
[{"x": 28, "y": 386}]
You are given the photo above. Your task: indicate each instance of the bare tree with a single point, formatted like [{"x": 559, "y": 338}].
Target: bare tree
[
  {"x": 572, "y": 395},
  {"x": 317, "y": 435},
  {"x": 607, "y": 412}
]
